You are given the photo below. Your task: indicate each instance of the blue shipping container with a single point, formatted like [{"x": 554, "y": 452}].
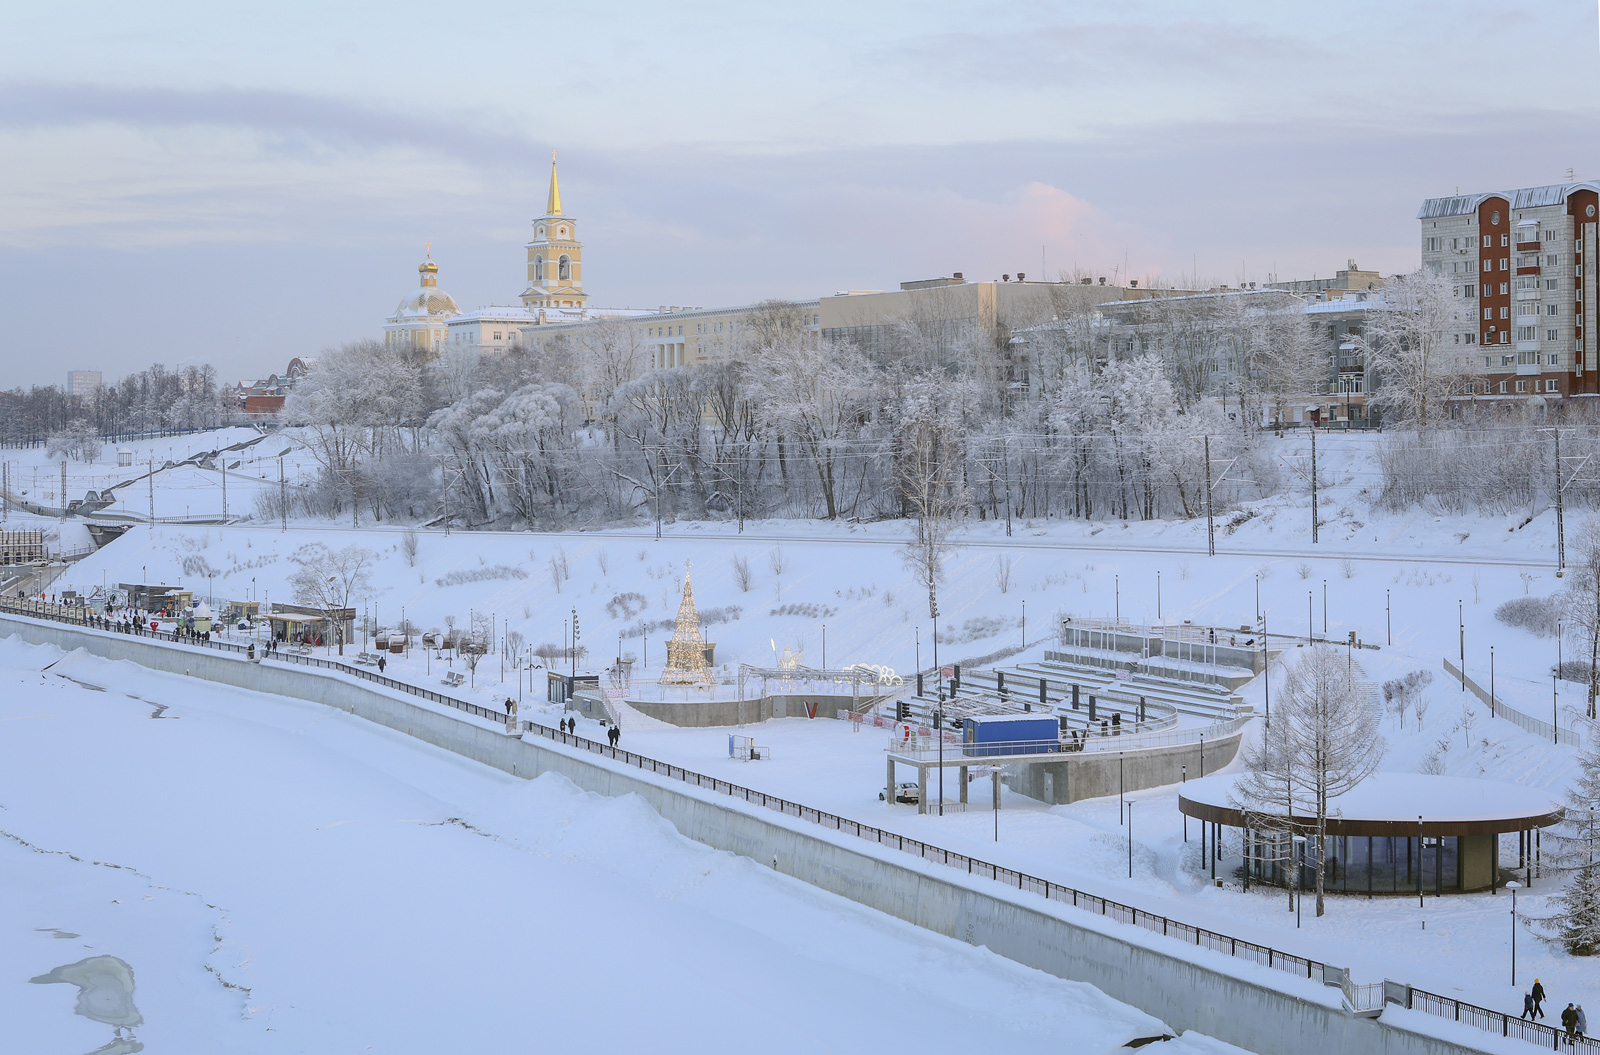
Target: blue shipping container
[{"x": 1010, "y": 735}]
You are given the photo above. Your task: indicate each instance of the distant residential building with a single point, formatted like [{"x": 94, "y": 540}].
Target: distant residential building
[
  {"x": 83, "y": 382},
  {"x": 263, "y": 399},
  {"x": 1346, "y": 283},
  {"x": 1525, "y": 259}
]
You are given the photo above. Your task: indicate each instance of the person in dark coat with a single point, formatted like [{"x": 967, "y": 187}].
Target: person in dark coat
[
  {"x": 1569, "y": 1020},
  {"x": 1527, "y": 1006},
  {"x": 613, "y": 734},
  {"x": 1538, "y": 998},
  {"x": 1582, "y": 1020},
  {"x": 383, "y": 661}
]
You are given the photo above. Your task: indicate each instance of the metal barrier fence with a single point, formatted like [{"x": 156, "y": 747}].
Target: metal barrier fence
[
  {"x": 1553, "y": 733},
  {"x": 1265, "y": 955},
  {"x": 1552, "y": 1037}
]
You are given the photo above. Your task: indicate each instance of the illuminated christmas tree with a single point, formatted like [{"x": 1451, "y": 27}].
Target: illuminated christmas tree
[{"x": 686, "y": 652}]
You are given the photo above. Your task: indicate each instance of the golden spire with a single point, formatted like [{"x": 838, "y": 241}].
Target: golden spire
[{"x": 552, "y": 205}]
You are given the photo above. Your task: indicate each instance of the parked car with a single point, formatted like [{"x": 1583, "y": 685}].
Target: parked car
[{"x": 909, "y": 792}]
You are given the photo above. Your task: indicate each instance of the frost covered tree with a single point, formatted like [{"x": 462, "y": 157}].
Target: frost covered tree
[
  {"x": 1575, "y": 923},
  {"x": 1582, "y": 598},
  {"x": 328, "y": 579},
  {"x": 929, "y": 477},
  {"x": 1405, "y": 344},
  {"x": 1323, "y": 741}
]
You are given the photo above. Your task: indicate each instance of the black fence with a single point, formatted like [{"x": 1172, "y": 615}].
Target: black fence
[
  {"x": 1300, "y": 966},
  {"x": 1552, "y": 1037}
]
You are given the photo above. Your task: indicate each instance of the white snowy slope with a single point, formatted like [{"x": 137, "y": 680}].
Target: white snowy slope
[{"x": 278, "y": 876}]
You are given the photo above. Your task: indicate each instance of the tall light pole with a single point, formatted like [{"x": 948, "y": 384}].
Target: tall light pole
[
  {"x": 1299, "y": 876},
  {"x": 1461, "y": 624},
  {"x": 1388, "y": 621},
  {"x": 1324, "y": 607},
  {"x": 1116, "y": 589},
  {"x": 1130, "y": 838},
  {"x": 1158, "y": 594},
  {"x": 1513, "y": 886},
  {"x": 824, "y": 646}
]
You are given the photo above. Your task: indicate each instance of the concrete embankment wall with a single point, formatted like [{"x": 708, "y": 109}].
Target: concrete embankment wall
[
  {"x": 700, "y": 714},
  {"x": 1091, "y": 774},
  {"x": 1257, "y": 1008}
]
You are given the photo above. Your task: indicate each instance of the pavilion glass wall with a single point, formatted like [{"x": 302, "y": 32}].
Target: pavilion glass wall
[{"x": 1360, "y": 864}]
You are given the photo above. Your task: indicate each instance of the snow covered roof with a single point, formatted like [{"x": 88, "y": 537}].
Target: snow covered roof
[
  {"x": 1525, "y": 198},
  {"x": 1391, "y": 803}
]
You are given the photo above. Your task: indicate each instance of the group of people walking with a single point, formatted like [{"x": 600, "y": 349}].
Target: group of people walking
[
  {"x": 613, "y": 733},
  {"x": 1573, "y": 1020}
]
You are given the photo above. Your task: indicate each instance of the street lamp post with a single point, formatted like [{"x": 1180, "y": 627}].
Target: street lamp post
[
  {"x": 938, "y": 732},
  {"x": 1388, "y": 620},
  {"x": 1130, "y": 839},
  {"x": 824, "y": 646},
  {"x": 1299, "y": 876},
  {"x": 1461, "y": 626},
  {"x": 1513, "y": 886}
]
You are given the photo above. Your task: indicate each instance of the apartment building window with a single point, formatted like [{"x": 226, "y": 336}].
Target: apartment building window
[
  {"x": 1502, "y": 388},
  {"x": 1522, "y": 386},
  {"x": 1552, "y": 260},
  {"x": 1505, "y": 336},
  {"x": 1549, "y": 309},
  {"x": 1488, "y": 313},
  {"x": 1550, "y": 385},
  {"x": 1505, "y": 263},
  {"x": 1505, "y": 288},
  {"x": 1488, "y": 265},
  {"x": 1552, "y": 335},
  {"x": 1433, "y": 245},
  {"x": 1472, "y": 338},
  {"x": 1527, "y": 333},
  {"x": 1505, "y": 240},
  {"x": 1549, "y": 283},
  {"x": 1469, "y": 291},
  {"x": 1505, "y": 313},
  {"x": 1488, "y": 241},
  {"x": 1549, "y": 236},
  {"x": 1554, "y": 359},
  {"x": 1528, "y": 260}
]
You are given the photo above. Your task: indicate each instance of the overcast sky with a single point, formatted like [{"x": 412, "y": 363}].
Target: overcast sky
[{"x": 242, "y": 183}]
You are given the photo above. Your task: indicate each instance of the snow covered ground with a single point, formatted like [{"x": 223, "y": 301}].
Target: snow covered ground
[
  {"x": 1406, "y": 576},
  {"x": 281, "y": 877}
]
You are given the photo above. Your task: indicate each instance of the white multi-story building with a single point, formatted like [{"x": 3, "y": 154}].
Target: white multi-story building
[{"x": 1525, "y": 260}]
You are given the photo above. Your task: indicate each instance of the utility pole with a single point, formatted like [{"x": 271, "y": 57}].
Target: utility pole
[
  {"x": 283, "y": 495},
  {"x": 63, "y": 490},
  {"x": 1561, "y": 534},
  {"x": 152, "y": 479},
  {"x": 1211, "y": 521},
  {"x": 1313, "y": 483},
  {"x": 224, "y": 486}
]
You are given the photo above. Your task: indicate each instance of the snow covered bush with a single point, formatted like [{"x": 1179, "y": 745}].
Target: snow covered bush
[
  {"x": 488, "y": 573},
  {"x": 1538, "y": 615}
]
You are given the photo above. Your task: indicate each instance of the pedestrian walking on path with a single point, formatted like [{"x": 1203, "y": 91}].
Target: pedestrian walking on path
[
  {"x": 1538, "y": 998},
  {"x": 1569, "y": 1020},
  {"x": 383, "y": 661},
  {"x": 613, "y": 734},
  {"x": 1527, "y": 1006},
  {"x": 1583, "y": 1020}
]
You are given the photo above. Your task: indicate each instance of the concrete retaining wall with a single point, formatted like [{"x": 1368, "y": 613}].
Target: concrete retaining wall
[
  {"x": 1244, "y": 1004},
  {"x": 1091, "y": 774},
  {"x": 700, "y": 714}
]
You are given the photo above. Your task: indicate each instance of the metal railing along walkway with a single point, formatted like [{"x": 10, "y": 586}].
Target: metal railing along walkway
[
  {"x": 1189, "y": 934},
  {"x": 1553, "y": 733}
]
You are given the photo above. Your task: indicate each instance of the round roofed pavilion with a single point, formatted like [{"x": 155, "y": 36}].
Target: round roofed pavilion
[{"x": 1395, "y": 833}]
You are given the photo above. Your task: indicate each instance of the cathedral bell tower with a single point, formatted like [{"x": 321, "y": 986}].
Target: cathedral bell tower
[{"x": 555, "y": 258}]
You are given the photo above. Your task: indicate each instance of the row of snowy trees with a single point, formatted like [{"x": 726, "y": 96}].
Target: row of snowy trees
[
  {"x": 789, "y": 425},
  {"x": 155, "y": 399}
]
